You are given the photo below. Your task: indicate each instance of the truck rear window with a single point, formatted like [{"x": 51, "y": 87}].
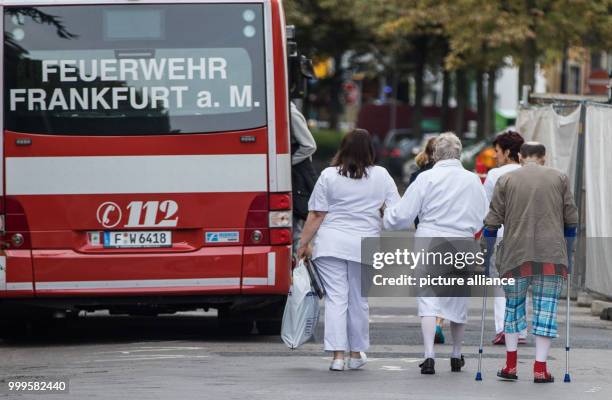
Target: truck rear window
[{"x": 134, "y": 69}]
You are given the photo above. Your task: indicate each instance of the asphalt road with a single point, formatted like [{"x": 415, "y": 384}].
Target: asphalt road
[{"x": 189, "y": 357}]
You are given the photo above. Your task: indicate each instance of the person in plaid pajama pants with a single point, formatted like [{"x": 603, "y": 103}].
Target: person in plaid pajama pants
[
  {"x": 536, "y": 207},
  {"x": 546, "y": 295}
]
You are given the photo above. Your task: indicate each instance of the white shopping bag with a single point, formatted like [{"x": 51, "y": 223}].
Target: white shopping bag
[{"x": 301, "y": 311}]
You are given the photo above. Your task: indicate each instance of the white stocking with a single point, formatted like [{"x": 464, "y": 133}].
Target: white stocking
[
  {"x": 511, "y": 341},
  {"x": 457, "y": 331},
  {"x": 428, "y": 327},
  {"x": 542, "y": 346}
]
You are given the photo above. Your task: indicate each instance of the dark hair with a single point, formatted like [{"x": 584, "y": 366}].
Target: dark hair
[
  {"x": 355, "y": 154},
  {"x": 512, "y": 141},
  {"x": 533, "y": 149}
]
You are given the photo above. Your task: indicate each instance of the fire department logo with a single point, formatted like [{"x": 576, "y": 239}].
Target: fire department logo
[{"x": 109, "y": 214}]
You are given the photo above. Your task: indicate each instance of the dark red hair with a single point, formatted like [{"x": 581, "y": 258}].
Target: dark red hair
[{"x": 512, "y": 141}]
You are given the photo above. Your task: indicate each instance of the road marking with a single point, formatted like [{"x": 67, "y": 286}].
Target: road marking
[
  {"x": 150, "y": 358},
  {"x": 388, "y": 359},
  {"x": 143, "y": 349},
  {"x": 391, "y": 368},
  {"x": 594, "y": 389}
]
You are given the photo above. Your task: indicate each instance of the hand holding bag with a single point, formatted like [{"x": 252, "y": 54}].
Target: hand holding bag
[{"x": 301, "y": 311}]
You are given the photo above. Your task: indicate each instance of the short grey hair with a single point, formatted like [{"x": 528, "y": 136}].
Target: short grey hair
[{"x": 447, "y": 147}]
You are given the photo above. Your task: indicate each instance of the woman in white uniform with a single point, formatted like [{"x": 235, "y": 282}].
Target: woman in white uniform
[
  {"x": 343, "y": 208},
  {"x": 450, "y": 202}
]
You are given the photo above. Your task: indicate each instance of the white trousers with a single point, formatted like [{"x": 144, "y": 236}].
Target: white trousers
[{"x": 346, "y": 312}]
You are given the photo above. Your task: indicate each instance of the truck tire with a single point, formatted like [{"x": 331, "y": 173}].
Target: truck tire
[
  {"x": 270, "y": 318},
  {"x": 266, "y": 320},
  {"x": 232, "y": 322}
]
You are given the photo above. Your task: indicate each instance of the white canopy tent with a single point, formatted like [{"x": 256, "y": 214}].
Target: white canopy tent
[{"x": 584, "y": 158}]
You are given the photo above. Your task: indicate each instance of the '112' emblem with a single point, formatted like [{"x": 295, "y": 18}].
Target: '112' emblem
[{"x": 151, "y": 210}]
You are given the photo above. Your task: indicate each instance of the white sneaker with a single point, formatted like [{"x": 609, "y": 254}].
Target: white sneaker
[
  {"x": 337, "y": 365},
  {"x": 356, "y": 363}
]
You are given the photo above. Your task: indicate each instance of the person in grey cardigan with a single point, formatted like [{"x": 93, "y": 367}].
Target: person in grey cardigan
[
  {"x": 536, "y": 207},
  {"x": 303, "y": 174}
]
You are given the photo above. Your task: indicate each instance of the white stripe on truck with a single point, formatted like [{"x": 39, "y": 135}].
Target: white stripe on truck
[
  {"x": 2, "y": 272},
  {"x": 283, "y": 172},
  {"x": 28, "y": 286},
  {"x": 138, "y": 283},
  {"x": 136, "y": 174}
]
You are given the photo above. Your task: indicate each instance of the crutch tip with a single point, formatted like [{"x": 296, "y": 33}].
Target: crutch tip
[
  {"x": 567, "y": 378},
  {"x": 479, "y": 376}
]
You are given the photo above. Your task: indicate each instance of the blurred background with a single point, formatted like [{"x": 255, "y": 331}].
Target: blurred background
[{"x": 406, "y": 69}]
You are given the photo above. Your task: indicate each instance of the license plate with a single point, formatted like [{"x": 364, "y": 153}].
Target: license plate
[{"x": 137, "y": 239}]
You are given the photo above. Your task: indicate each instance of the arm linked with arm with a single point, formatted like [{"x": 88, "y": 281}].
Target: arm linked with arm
[{"x": 403, "y": 212}]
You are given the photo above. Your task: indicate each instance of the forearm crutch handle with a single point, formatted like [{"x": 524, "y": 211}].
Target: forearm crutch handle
[
  {"x": 490, "y": 236},
  {"x": 570, "y": 237}
]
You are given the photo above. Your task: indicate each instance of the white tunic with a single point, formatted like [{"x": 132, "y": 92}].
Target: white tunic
[
  {"x": 489, "y": 184},
  {"x": 450, "y": 202},
  {"x": 352, "y": 207}
]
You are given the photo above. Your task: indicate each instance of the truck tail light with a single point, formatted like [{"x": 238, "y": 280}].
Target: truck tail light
[
  {"x": 280, "y": 236},
  {"x": 269, "y": 220},
  {"x": 280, "y": 201},
  {"x": 280, "y": 219}
]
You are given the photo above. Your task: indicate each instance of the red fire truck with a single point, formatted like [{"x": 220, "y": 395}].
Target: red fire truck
[{"x": 146, "y": 158}]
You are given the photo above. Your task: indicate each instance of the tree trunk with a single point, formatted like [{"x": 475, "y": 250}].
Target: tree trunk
[
  {"x": 419, "y": 72},
  {"x": 490, "y": 107},
  {"x": 446, "y": 83},
  {"x": 461, "y": 96},
  {"x": 480, "y": 104},
  {"x": 335, "y": 93},
  {"x": 529, "y": 53},
  {"x": 563, "y": 82}
]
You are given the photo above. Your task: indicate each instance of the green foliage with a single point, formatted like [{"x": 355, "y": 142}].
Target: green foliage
[
  {"x": 328, "y": 142},
  {"x": 326, "y": 28},
  {"x": 471, "y": 33}
]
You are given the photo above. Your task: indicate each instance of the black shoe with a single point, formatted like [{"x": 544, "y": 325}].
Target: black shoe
[
  {"x": 457, "y": 363},
  {"x": 427, "y": 367},
  {"x": 507, "y": 376}
]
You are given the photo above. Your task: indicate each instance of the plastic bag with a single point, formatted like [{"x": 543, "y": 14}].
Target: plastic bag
[{"x": 301, "y": 311}]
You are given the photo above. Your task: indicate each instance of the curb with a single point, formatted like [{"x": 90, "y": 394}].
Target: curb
[{"x": 598, "y": 306}]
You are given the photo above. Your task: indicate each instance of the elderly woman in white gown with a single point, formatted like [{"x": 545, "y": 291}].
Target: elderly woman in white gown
[{"x": 450, "y": 202}]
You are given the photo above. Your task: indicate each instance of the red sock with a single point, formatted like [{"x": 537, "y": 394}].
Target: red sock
[
  {"x": 511, "y": 357},
  {"x": 539, "y": 366}
]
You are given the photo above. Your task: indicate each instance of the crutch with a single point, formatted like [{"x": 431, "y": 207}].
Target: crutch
[
  {"x": 490, "y": 236},
  {"x": 570, "y": 237}
]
